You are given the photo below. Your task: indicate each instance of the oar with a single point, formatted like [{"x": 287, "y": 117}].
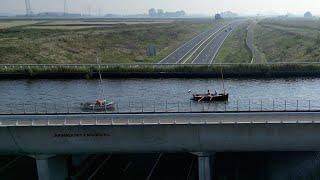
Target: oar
[{"x": 201, "y": 99}]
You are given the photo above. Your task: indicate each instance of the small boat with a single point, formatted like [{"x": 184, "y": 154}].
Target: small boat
[
  {"x": 210, "y": 97},
  {"x": 99, "y": 105}
]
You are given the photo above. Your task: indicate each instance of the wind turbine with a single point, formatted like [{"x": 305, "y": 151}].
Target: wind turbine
[
  {"x": 28, "y": 8},
  {"x": 65, "y": 8}
]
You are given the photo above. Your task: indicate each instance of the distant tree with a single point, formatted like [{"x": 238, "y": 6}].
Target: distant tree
[
  {"x": 152, "y": 12},
  {"x": 308, "y": 14},
  {"x": 160, "y": 12},
  {"x": 218, "y": 16}
]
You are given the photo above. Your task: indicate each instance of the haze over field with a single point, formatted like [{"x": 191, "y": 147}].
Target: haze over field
[{"x": 244, "y": 7}]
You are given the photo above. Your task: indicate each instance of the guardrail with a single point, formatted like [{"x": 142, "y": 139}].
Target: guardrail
[
  {"x": 96, "y": 122},
  {"x": 146, "y": 64},
  {"x": 135, "y": 107}
]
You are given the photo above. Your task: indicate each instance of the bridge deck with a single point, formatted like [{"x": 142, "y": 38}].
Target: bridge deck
[{"x": 160, "y": 119}]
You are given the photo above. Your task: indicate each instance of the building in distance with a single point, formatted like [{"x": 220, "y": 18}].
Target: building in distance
[{"x": 160, "y": 13}]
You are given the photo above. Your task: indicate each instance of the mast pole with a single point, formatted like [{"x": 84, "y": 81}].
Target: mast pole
[
  {"x": 224, "y": 90},
  {"x": 100, "y": 76}
]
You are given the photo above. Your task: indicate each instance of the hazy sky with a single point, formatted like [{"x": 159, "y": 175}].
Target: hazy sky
[{"x": 141, "y": 6}]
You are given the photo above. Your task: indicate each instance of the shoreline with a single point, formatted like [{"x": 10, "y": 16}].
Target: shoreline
[
  {"x": 257, "y": 71},
  {"x": 160, "y": 75}
]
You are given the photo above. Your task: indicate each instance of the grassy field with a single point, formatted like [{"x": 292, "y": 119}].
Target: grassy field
[
  {"x": 289, "y": 40},
  {"x": 15, "y": 23},
  {"x": 234, "y": 49},
  {"x": 118, "y": 43}
]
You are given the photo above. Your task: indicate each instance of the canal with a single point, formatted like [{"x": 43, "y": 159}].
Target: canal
[{"x": 155, "y": 94}]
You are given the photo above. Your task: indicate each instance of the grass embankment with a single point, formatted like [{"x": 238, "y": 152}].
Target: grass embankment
[
  {"x": 114, "y": 44},
  {"x": 288, "y": 40},
  {"x": 234, "y": 49},
  {"x": 150, "y": 71},
  {"x": 257, "y": 56}
]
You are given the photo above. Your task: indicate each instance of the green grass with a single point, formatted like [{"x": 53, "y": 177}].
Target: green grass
[
  {"x": 117, "y": 44},
  {"x": 4, "y": 24},
  {"x": 234, "y": 49},
  {"x": 230, "y": 70},
  {"x": 281, "y": 43}
]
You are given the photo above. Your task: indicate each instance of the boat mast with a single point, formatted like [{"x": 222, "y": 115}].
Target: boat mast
[
  {"x": 224, "y": 90},
  {"x": 100, "y": 76}
]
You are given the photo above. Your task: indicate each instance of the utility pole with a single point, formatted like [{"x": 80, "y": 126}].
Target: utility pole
[{"x": 28, "y": 8}]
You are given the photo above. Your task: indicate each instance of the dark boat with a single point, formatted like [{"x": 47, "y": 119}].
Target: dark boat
[{"x": 210, "y": 97}]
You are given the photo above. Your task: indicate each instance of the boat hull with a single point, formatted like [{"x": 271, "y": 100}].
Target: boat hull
[
  {"x": 210, "y": 98},
  {"x": 95, "y": 107}
]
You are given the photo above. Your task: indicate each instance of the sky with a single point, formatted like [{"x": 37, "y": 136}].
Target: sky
[{"x": 207, "y": 7}]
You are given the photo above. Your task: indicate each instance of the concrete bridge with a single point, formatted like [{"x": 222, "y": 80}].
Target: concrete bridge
[{"x": 45, "y": 137}]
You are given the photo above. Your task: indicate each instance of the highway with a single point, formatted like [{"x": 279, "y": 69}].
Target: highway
[
  {"x": 207, "y": 44},
  {"x": 181, "y": 52},
  {"x": 210, "y": 51}
]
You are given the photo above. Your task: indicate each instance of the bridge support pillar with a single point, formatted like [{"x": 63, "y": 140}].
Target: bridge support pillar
[
  {"x": 204, "y": 165},
  {"x": 51, "y": 167}
]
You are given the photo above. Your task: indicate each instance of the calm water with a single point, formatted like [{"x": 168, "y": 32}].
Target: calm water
[{"x": 137, "y": 91}]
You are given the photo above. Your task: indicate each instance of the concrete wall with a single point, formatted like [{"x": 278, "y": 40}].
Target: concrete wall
[{"x": 164, "y": 138}]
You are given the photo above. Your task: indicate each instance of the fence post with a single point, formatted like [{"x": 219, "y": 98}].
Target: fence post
[
  {"x": 154, "y": 106},
  {"x": 24, "y": 109},
  {"x": 69, "y": 109},
  {"x": 225, "y": 106},
  {"x": 249, "y": 105},
  {"x": 11, "y": 109},
  {"x": 202, "y": 107},
  {"x": 166, "y": 106},
  {"x": 118, "y": 107},
  {"x": 309, "y": 105},
  {"x": 261, "y": 105},
  {"x": 142, "y": 106},
  {"x": 237, "y": 105},
  {"x": 297, "y": 105},
  {"x": 273, "y": 105},
  {"x": 130, "y": 106},
  {"x": 285, "y": 105},
  {"x": 178, "y": 106}
]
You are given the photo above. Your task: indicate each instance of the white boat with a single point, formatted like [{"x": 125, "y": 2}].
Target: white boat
[{"x": 99, "y": 104}]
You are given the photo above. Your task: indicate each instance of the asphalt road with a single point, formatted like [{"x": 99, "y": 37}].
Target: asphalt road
[
  {"x": 177, "y": 55},
  {"x": 209, "y": 53}
]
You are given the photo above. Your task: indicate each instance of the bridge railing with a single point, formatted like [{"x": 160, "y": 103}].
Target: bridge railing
[{"x": 165, "y": 107}]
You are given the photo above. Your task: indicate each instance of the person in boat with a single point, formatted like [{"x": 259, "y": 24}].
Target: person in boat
[
  {"x": 100, "y": 102},
  {"x": 209, "y": 92}
]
